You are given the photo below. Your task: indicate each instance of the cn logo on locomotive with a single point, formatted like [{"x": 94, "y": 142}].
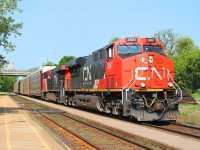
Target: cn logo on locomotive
[
  {"x": 87, "y": 75},
  {"x": 138, "y": 76}
]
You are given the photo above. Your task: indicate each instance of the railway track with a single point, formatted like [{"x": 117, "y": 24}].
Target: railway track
[
  {"x": 177, "y": 128},
  {"x": 83, "y": 142},
  {"x": 139, "y": 145}
]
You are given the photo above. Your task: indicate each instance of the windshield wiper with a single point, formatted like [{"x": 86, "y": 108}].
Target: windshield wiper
[{"x": 126, "y": 45}]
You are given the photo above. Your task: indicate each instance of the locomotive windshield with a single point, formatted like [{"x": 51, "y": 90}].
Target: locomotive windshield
[
  {"x": 125, "y": 51},
  {"x": 156, "y": 49}
]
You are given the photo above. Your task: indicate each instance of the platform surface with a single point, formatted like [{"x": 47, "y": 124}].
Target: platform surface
[{"x": 19, "y": 132}]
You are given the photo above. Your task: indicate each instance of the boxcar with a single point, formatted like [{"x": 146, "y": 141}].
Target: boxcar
[
  {"x": 16, "y": 87},
  {"x": 21, "y": 86},
  {"x": 26, "y": 85},
  {"x": 36, "y": 81}
]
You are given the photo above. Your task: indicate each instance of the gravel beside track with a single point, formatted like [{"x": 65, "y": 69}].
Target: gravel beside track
[
  {"x": 179, "y": 129},
  {"x": 167, "y": 139}
]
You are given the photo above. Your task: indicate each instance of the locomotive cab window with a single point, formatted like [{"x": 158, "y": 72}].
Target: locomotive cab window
[
  {"x": 109, "y": 53},
  {"x": 156, "y": 49},
  {"x": 125, "y": 51}
]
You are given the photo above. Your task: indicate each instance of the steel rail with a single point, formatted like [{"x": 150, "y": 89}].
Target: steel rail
[
  {"x": 175, "y": 130},
  {"x": 186, "y": 125}
]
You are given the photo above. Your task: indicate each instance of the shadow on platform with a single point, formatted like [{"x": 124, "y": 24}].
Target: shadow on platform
[{"x": 9, "y": 110}]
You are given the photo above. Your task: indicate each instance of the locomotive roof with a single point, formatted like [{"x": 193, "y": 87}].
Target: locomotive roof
[
  {"x": 76, "y": 62},
  {"x": 104, "y": 47},
  {"x": 81, "y": 60}
]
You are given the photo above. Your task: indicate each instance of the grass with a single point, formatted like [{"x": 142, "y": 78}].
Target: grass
[
  {"x": 189, "y": 114},
  {"x": 6, "y": 93},
  {"x": 3, "y": 93},
  {"x": 196, "y": 96}
]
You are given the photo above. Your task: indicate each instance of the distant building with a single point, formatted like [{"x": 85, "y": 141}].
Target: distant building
[{"x": 10, "y": 65}]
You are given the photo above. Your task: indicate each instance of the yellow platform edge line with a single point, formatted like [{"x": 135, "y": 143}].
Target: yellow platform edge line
[
  {"x": 37, "y": 134},
  {"x": 8, "y": 143}
]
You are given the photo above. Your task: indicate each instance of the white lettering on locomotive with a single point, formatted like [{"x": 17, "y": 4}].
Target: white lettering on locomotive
[
  {"x": 86, "y": 74},
  {"x": 138, "y": 76},
  {"x": 109, "y": 65}
]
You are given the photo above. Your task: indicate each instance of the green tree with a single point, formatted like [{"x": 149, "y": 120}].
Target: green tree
[
  {"x": 34, "y": 69},
  {"x": 2, "y": 61},
  {"x": 66, "y": 59},
  {"x": 184, "y": 44},
  {"x": 8, "y": 26},
  {"x": 7, "y": 82},
  {"x": 192, "y": 70},
  {"x": 113, "y": 39},
  {"x": 168, "y": 37},
  {"x": 187, "y": 62},
  {"x": 49, "y": 63}
]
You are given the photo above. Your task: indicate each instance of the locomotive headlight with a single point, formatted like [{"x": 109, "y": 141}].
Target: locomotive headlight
[
  {"x": 150, "y": 59},
  {"x": 142, "y": 84},
  {"x": 170, "y": 84}
]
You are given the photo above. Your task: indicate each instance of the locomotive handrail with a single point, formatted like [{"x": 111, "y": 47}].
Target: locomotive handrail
[
  {"x": 176, "y": 85},
  {"x": 129, "y": 86},
  {"x": 62, "y": 90},
  {"x": 126, "y": 90}
]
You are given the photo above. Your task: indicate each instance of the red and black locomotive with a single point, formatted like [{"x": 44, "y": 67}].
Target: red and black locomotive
[{"x": 131, "y": 77}]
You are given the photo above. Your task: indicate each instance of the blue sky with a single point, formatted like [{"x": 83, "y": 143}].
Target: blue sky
[{"x": 53, "y": 29}]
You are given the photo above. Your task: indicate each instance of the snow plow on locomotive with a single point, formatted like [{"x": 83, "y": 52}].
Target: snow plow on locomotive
[{"x": 131, "y": 77}]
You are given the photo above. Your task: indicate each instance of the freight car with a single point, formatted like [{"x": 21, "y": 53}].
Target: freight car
[
  {"x": 16, "y": 87},
  {"x": 31, "y": 85},
  {"x": 131, "y": 77}
]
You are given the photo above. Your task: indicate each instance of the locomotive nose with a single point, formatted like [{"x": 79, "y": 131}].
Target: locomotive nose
[{"x": 158, "y": 106}]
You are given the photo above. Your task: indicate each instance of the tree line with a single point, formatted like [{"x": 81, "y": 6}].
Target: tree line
[{"x": 186, "y": 56}]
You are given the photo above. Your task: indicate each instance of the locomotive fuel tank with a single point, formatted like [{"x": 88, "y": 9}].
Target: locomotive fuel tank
[{"x": 88, "y": 101}]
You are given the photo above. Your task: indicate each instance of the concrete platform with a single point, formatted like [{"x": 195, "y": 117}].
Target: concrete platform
[{"x": 19, "y": 132}]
